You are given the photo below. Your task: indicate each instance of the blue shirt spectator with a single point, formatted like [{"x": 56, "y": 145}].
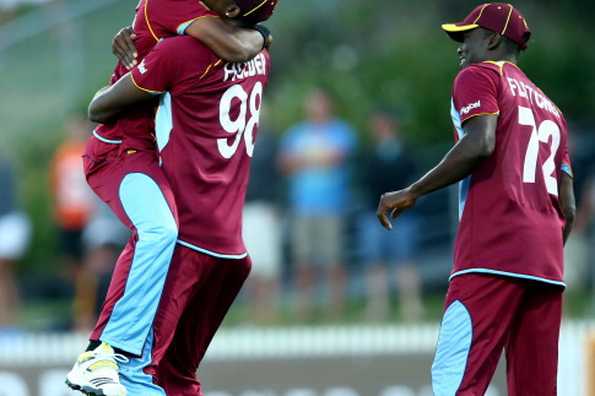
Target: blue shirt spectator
[
  {"x": 319, "y": 183},
  {"x": 314, "y": 157}
]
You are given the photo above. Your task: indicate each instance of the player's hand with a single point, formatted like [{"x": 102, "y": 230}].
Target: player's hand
[
  {"x": 394, "y": 203},
  {"x": 123, "y": 47},
  {"x": 266, "y": 35}
]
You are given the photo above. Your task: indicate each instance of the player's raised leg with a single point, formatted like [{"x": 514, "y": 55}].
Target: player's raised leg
[
  {"x": 130, "y": 307},
  {"x": 479, "y": 310},
  {"x": 138, "y": 193},
  {"x": 532, "y": 348}
]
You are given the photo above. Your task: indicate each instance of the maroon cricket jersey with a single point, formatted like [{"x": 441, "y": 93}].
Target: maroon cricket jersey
[
  {"x": 206, "y": 126},
  {"x": 154, "y": 20},
  {"x": 510, "y": 217}
]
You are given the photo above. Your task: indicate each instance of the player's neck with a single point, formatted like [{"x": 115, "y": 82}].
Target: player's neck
[
  {"x": 500, "y": 57},
  {"x": 235, "y": 22}
]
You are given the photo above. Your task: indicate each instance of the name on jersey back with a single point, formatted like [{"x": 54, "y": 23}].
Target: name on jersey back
[
  {"x": 240, "y": 71},
  {"x": 532, "y": 95}
]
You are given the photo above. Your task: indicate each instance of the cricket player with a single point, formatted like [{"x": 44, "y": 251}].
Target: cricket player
[
  {"x": 205, "y": 127},
  {"x": 516, "y": 210},
  {"x": 122, "y": 167}
]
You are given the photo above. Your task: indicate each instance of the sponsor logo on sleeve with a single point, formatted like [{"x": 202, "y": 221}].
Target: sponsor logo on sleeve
[{"x": 471, "y": 106}]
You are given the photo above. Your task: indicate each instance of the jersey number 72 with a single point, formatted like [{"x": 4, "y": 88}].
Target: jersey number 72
[{"x": 539, "y": 135}]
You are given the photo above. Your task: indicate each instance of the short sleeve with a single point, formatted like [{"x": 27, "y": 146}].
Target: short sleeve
[
  {"x": 475, "y": 93},
  {"x": 158, "y": 72},
  {"x": 174, "y": 17},
  {"x": 566, "y": 166}
]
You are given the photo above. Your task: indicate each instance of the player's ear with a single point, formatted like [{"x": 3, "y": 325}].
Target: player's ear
[
  {"x": 495, "y": 40},
  {"x": 232, "y": 10}
]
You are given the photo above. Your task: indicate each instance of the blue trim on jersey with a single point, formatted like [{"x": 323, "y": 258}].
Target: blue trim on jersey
[
  {"x": 133, "y": 314},
  {"x": 164, "y": 123},
  {"x": 181, "y": 30},
  {"x": 211, "y": 253},
  {"x": 567, "y": 169},
  {"x": 104, "y": 140},
  {"x": 505, "y": 273},
  {"x": 452, "y": 351},
  {"x": 133, "y": 377},
  {"x": 456, "y": 119},
  {"x": 464, "y": 184}
]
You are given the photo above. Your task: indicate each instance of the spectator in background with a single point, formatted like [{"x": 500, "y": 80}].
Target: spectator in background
[
  {"x": 314, "y": 157},
  {"x": 262, "y": 230},
  {"x": 73, "y": 205},
  {"x": 14, "y": 238},
  {"x": 387, "y": 166}
]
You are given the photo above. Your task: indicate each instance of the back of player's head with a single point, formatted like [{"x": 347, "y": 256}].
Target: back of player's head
[{"x": 256, "y": 11}]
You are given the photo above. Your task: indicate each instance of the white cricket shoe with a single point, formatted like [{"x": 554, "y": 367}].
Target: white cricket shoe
[{"x": 95, "y": 373}]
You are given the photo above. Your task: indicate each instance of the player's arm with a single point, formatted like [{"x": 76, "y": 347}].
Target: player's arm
[
  {"x": 109, "y": 101},
  {"x": 567, "y": 203},
  {"x": 478, "y": 144},
  {"x": 229, "y": 41}
]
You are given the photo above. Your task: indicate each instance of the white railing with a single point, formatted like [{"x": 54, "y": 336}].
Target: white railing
[{"x": 253, "y": 342}]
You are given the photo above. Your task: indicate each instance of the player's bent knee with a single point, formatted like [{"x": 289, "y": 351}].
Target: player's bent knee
[
  {"x": 162, "y": 233},
  {"x": 167, "y": 234},
  {"x": 146, "y": 206}
]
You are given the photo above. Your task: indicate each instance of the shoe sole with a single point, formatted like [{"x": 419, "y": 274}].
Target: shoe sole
[{"x": 85, "y": 389}]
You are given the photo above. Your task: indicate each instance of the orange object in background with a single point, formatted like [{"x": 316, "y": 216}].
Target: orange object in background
[
  {"x": 74, "y": 204},
  {"x": 73, "y": 200}
]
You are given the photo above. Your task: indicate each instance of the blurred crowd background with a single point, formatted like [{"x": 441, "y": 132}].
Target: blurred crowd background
[{"x": 358, "y": 105}]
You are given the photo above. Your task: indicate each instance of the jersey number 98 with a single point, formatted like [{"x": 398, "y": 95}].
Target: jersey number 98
[{"x": 245, "y": 124}]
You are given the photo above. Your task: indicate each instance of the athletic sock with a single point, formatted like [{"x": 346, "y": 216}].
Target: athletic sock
[{"x": 93, "y": 344}]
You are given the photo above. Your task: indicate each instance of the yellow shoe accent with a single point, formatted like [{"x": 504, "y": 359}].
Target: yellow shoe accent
[
  {"x": 103, "y": 364},
  {"x": 85, "y": 356}
]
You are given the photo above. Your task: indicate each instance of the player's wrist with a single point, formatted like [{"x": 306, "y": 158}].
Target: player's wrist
[
  {"x": 266, "y": 34},
  {"x": 415, "y": 190}
]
